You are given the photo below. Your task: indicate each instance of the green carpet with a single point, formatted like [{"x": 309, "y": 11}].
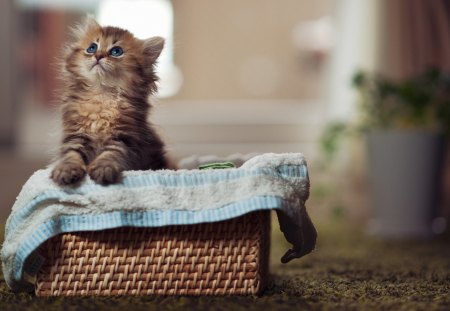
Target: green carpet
[{"x": 348, "y": 271}]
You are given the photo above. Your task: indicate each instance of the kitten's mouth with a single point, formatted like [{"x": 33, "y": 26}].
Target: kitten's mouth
[{"x": 98, "y": 66}]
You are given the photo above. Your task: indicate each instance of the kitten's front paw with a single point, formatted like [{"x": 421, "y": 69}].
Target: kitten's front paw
[
  {"x": 104, "y": 173},
  {"x": 68, "y": 173}
]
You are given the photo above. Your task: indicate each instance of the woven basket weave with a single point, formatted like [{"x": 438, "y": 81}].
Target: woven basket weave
[{"x": 222, "y": 258}]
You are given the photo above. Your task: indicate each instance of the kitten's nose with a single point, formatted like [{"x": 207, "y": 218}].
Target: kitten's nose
[{"x": 99, "y": 56}]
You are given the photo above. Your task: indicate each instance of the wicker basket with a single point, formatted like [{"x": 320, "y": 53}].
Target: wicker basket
[{"x": 222, "y": 258}]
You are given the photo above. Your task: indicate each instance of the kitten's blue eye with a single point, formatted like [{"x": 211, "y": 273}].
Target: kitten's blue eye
[
  {"x": 92, "y": 48},
  {"x": 116, "y": 51}
]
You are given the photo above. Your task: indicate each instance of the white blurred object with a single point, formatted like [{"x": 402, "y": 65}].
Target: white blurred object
[
  {"x": 145, "y": 19},
  {"x": 356, "y": 34},
  {"x": 315, "y": 36}
]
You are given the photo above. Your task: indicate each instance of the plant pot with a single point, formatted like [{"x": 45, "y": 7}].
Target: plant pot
[{"x": 405, "y": 170}]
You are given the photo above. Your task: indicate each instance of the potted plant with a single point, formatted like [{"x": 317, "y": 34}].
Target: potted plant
[{"x": 405, "y": 124}]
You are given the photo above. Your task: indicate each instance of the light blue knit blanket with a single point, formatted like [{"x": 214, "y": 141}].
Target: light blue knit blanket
[{"x": 152, "y": 199}]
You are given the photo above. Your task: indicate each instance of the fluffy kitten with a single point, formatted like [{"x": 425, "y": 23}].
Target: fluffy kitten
[{"x": 108, "y": 76}]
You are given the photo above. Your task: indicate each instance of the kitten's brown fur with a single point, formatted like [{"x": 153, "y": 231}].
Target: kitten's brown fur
[{"x": 105, "y": 107}]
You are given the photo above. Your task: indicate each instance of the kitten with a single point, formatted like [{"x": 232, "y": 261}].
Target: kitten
[{"x": 108, "y": 76}]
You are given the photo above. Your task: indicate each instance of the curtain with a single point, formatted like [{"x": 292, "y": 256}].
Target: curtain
[{"x": 415, "y": 35}]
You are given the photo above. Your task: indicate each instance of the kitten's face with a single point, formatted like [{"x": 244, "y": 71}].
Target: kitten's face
[{"x": 112, "y": 56}]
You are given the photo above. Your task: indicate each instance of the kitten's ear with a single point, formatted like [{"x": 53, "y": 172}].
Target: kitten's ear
[
  {"x": 91, "y": 23},
  {"x": 153, "y": 48},
  {"x": 86, "y": 25}
]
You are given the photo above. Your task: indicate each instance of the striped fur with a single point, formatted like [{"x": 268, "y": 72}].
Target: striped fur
[{"x": 105, "y": 107}]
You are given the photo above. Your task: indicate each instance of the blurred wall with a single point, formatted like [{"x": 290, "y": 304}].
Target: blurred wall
[{"x": 244, "y": 49}]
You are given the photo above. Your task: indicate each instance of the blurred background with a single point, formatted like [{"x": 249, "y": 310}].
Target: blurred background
[{"x": 237, "y": 77}]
